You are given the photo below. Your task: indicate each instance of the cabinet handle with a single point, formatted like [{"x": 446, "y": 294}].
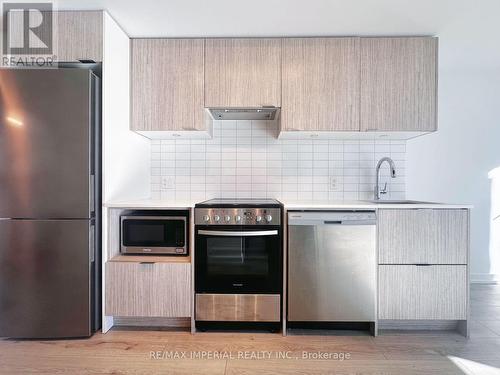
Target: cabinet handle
[
  {"x": 422, "y": 264},
  {"x": 146, "y": 262}
]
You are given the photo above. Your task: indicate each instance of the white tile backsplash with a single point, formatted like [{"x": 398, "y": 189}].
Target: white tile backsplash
[{"x": 245, "y": 160}]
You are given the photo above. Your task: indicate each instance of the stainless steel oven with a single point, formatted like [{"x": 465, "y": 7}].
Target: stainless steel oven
[
  {"x": 147, "y": 234},
  {"x": 238, "y": 262}
]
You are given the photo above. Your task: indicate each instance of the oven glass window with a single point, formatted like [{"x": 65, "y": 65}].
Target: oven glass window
[
  {"x": 238, "y": 256},
  {"x": 238, "y": 264}
]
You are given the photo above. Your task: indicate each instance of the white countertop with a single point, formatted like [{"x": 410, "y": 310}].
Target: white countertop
[
  {"x": 291, "y": 205},
  {"x": 151, "y": 203},
  {"x": 335, "y": 205}
]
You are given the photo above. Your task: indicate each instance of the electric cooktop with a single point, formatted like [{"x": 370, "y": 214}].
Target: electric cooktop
[{"x": 236, "y": 202}]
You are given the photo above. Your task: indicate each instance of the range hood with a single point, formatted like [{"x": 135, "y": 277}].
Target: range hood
[{"x": 244, "y": 113}]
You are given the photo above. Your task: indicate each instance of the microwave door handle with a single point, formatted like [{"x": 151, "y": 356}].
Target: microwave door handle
[
  {"x": 224, "y": 233},
  {"x": 242, "y": 250}
]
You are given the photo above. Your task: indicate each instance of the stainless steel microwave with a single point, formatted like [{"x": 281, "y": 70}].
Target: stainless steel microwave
[{"x": 153, "y": 235}]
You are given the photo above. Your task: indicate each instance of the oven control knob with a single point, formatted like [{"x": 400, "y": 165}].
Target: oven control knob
[
  {"x": 227, "y": 218},
  {"x": 216, "y": 218},
  {"x": 237, "y": 218},
  {"x": 206, "y": 218},
  {"x": 269, "y": 218},
  {"x": 258, "y": 219}
]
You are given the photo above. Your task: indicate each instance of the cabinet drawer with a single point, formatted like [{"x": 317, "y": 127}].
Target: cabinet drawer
[
  {"x": 431, "y": 236},
  {"x": 148, "y": 290},
  {"x": 437, "y": 292}
]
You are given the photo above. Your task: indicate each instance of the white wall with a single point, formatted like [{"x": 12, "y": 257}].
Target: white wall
[
  {"x": 126, "y": 155},
  {"x": 245, "y": 160},
  {"x": 495, "y": 221},
  {"x": 453, "y": 164},
  {"x": 126, "y": 161}
]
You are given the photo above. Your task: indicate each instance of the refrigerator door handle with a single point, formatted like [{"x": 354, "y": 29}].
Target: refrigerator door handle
[
  {"x": 92, "y": 193},
  {"x": 92, "y": 241}
]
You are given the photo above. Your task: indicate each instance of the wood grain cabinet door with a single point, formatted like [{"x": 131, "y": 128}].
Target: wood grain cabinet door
[
  {"x": 399, "y": 84},
  {"x": 76, "y": 35},
  {"x": 242, "y": 72},
  {"x": 320, "y": 84},
  {"x": 402, "y": 236},
  {"x": 411, "y": 292},
  {"x": 148, "y": 290},
  {"x": 423, "y": 236},
  {"x": 167, "y": 84},
  {"x": 79, "y": 35}
]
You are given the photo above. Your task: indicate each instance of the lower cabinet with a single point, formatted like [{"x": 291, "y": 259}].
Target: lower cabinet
[
  {"x": 431, "y": 236},
  {"x": 148, "y": 289},
  {"x": 415, "y": 292}
]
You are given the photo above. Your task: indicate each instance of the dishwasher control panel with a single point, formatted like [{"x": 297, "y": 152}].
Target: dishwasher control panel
[{"x": 332, "y": 217}]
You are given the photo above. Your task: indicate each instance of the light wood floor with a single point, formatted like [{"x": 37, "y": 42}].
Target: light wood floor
[{"x": 129, "y": 352}]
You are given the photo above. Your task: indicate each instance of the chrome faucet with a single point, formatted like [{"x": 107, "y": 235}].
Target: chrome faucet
[{"x": 392, "y": 166}]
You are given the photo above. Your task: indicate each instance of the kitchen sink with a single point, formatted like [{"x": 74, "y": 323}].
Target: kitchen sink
[{"x": 382, "y": 201}]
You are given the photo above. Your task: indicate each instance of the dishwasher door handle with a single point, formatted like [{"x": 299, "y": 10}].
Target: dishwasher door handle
[
  {"x": 332, "y": 222},
  {"x": 349, "y": 222}
]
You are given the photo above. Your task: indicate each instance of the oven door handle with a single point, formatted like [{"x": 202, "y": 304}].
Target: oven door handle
[{"x": 238, "y": 234}]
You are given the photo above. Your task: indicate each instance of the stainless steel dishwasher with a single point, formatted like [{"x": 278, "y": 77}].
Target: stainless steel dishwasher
[{"x": 331, "y": 266}]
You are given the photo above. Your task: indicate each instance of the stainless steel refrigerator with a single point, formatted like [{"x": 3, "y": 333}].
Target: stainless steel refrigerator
[{"x": 50, "y": 202}]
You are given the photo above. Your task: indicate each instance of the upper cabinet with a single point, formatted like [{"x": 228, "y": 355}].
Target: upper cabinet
[
  {"x": 320, "y": 84},
  {"x": 242, "y": 72},
  {"x": 167, "y": 86},
  {"x": 334, "y": 87},
  {"x": 79, "y": 35},
  {"x": 76, "y": 35},
  {"x": 399, "y": 84}
]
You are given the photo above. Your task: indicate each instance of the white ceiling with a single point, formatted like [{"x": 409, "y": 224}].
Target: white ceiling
[
  {"x": 187, "y": 18},
  {"x": 470, "y": 28}
]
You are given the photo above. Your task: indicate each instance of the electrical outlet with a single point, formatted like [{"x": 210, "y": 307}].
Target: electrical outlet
[
  {"x": 167, "y": 183},
  {"x": 334, "y": 184}
]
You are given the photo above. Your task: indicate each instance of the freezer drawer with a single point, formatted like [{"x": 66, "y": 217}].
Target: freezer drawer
[
  {"x": 331, "y": 267},
  {"x": 44, "y": 278}
]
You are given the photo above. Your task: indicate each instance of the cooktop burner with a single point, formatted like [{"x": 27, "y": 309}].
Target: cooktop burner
[{"x": 235, "y": 202}]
